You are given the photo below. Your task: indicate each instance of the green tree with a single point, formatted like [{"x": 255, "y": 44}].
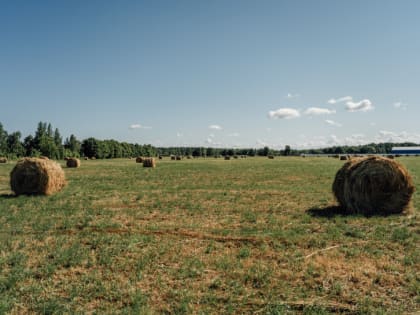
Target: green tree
[
  {"x": 287, "y": 150},
  {"x": 3, "y": 140},
  {"x": 72, "y": 146},
  {"x": 14, "y": 144}
]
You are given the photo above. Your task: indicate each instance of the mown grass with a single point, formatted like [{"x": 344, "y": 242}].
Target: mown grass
[{"x": 204, "y": 236}]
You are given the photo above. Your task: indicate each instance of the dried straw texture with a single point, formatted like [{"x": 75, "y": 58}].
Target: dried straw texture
[
  {"x": 3, "y": 160},
  {"x": 373, "y": 185},
  {"x": 139, "y": 159},
  {"x": 37, "y": 176},
  {"x": 149, "y": 162},
  {"x": 73, "y": 162}
]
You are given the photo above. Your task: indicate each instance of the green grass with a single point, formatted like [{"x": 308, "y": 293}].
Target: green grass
[{"x": 204, "y": 236}]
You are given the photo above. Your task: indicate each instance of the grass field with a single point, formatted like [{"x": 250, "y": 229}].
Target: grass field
[{"x": 205, "y": 236}]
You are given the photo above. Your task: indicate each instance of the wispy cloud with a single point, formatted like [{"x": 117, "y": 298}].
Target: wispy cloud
[
  {"x": 362, "y": 106},
  {"x": 283, "y": 113},
  {"x": 333, "y": 101},
  {"x": 291, "y": 96},
  {"x": 319, "y": 111},
  {"x": 139, "y": 126},
  {"x": 179, "y": 135},
  {"x": 391, "y": 136},
  {"x": 215, "y": 127},
  {"x": 234, "y": 134},
  {"x": 333, "y": 123}
]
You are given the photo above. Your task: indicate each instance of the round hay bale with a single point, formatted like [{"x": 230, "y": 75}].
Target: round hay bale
[
  {"x": 343, "y": 158},
  {"x": 3, "y": 160},
  {"x": 37, "y": 176},
  {"x": 139, "y": 159},
  {"x": 86, "y": 158},
  {"x": 271, "y": 157},
  {"x": 373, "y": 185},
  {"x": 227, "y": 157},
  {"x": 178, "y": 157},
  {"x": 149, "y": 162},
  {"x": 73, "y": 162},
  {"x": 340, "y": 177}
]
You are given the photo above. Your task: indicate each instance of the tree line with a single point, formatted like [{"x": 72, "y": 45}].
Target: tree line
[{"x": 47, "y": 141}]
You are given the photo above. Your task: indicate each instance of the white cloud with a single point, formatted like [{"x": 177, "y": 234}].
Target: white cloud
[
  {"x": 391, "y": 136},
  {"x": 235, "y": 134},
  {"x": 179, "y": 135},
  {"x": 333, "y": 123},
  {"x": 215, "y": 127},
  {"x": 339, "y": 100},
  {"x": 262, "y": 143},
  {"x": 319, "y": 111},
  {"x": 290, "y": 96},
  {"x": 138, "y": 126},
  {"x": 400, "y": 105},
  {"x": 362, "y": 106},
  {"x": 283, "y": 113}
]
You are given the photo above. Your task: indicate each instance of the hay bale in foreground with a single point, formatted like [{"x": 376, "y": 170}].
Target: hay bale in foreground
[
  {"x": 37, "y": 176},
  {"x": 73, "y": 162},
  {"x": 3, "y": 160},
  {"x": 139, "y": 159},
  {"x": 373, "y": 185},
  {"x": 149, "y": 162}
]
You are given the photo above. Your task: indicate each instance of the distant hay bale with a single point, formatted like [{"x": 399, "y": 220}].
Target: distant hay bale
[
  {"x": 3, "y": 160},
  {"x": 189, "y": 157},
  {"x": 149, "y": 162},
  {"x": 139, "y": 159},
  {"x": 93, "y": 158},
  {"x": 173, "y": 158},
  {"x": 86, "y": 158},
  {"x": 178, "y": 158},
  {"x": 236, "y": 157},
  {"x": 343, "y": 158},
  {"x": 73, "y": 162},
  {"x": 373, "y": 185},
  {"x": 37, "y": 176},
  {"x": 160, "y": 157},
  {"x": 271, "y": 157},
  {"x": 227, "y": 157}
]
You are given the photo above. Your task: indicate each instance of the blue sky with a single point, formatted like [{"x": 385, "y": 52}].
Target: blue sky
[{"x": 213, "y": 73}]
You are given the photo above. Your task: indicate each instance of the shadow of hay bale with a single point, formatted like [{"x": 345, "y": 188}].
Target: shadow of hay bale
[{"x": 327, "y": 212}]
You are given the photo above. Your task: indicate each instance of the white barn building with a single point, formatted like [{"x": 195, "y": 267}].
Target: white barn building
[{"x": 405, "y": 150}]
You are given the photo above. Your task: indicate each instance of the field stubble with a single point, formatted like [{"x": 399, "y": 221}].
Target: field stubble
[{"x": 204, "y": 236}]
